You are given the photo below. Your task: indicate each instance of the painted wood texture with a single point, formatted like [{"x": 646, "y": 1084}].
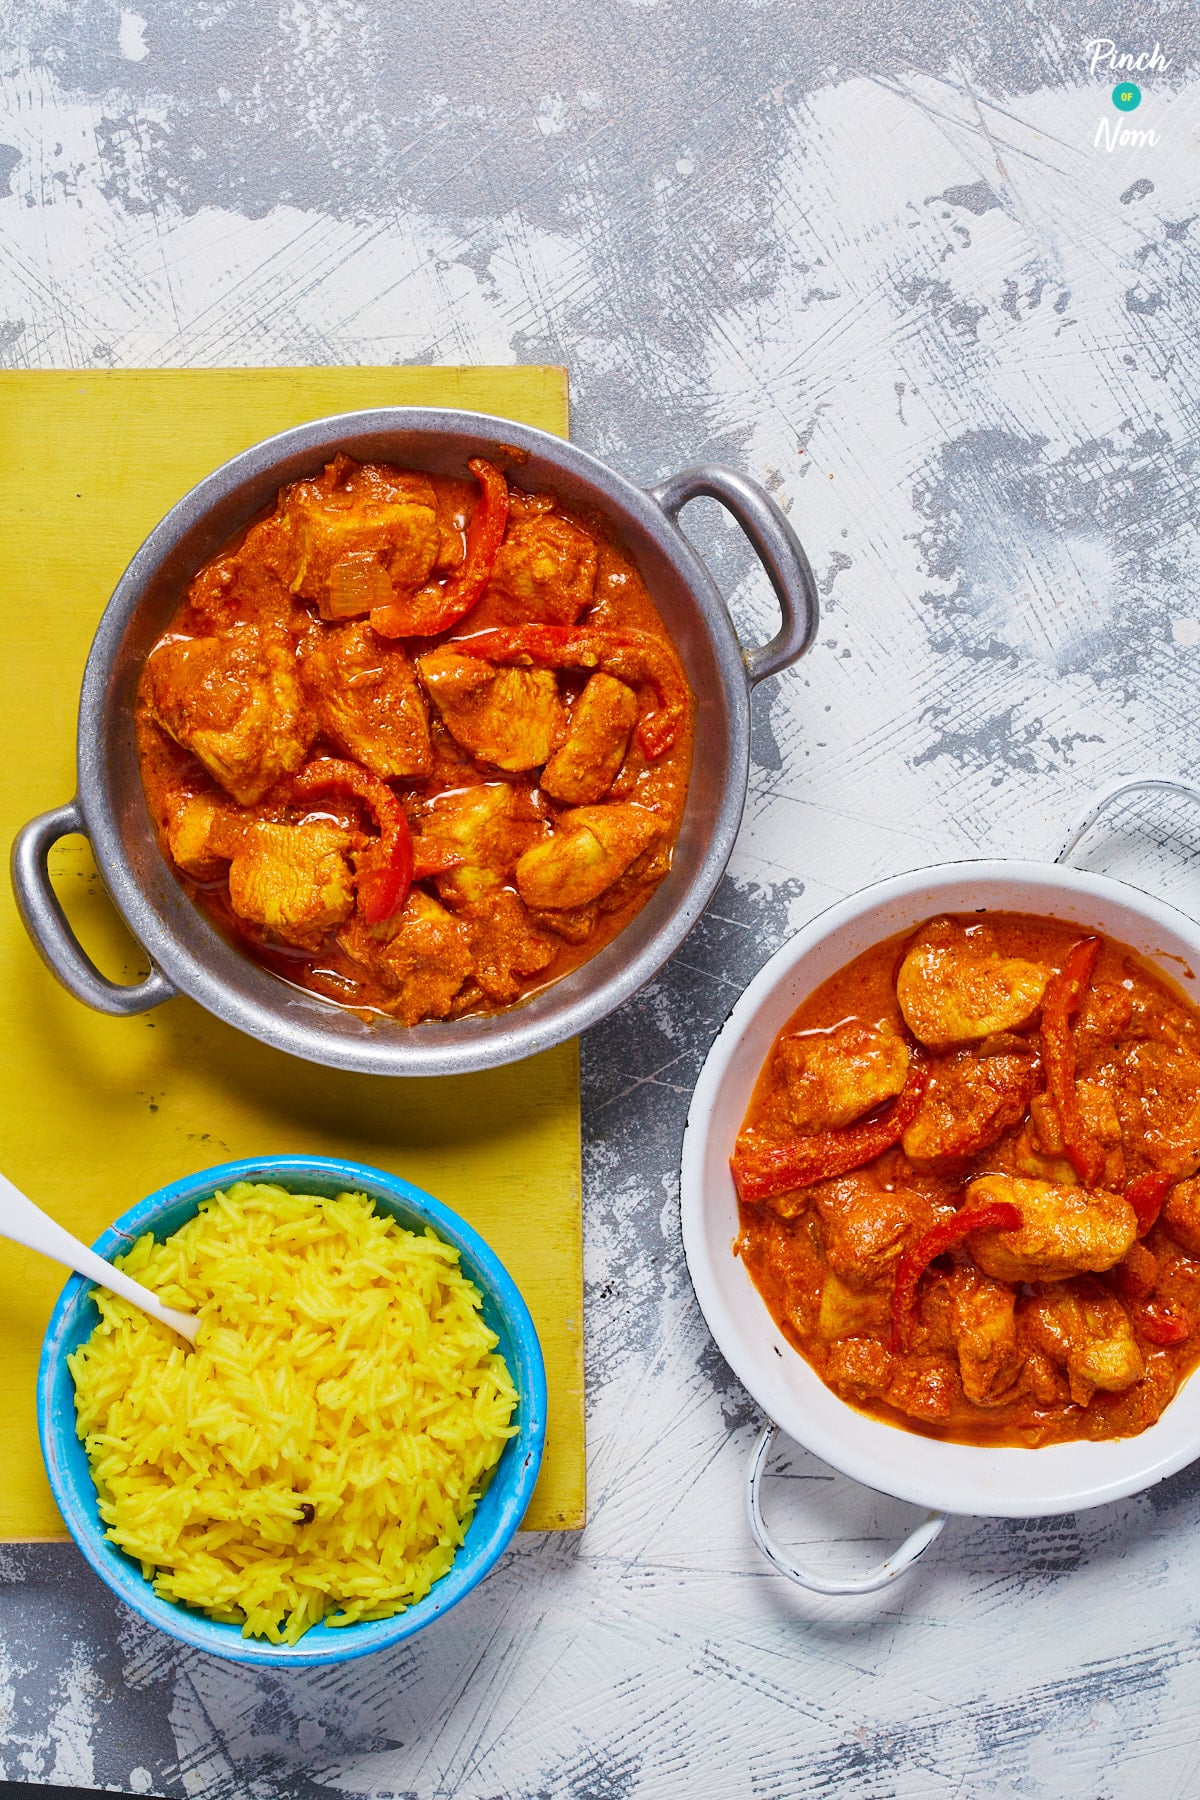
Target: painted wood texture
[
  {"x": 99, "y": 1111},
  {"x": 872, "y": 254}
]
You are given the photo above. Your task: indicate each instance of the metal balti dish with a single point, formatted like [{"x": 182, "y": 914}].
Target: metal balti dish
[
  {"x": 947, "y": 1477},
  {"x": 189, "y": 956}
]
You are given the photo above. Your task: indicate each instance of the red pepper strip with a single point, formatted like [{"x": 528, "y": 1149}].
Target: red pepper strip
[
  {"x": 1064, "y": 995},
  {"x": 762, "y": 1170},
  {"x": 632, "y": 656},
  {"x": 999, "y": 1216},
  {"x": 385, "y": 874},
  {"x": 385, "y": 869},
  {"x": 1146, "y": 1196},
  {"x": 1159, "y": 1326},
  {"x": 440, "y": 605}
]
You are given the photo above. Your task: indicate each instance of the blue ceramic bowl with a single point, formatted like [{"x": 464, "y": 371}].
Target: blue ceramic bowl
[{"x": 496, "y": 1517}]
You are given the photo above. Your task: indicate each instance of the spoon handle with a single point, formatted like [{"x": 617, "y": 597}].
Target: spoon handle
[{"x": 27, "y": 1224}]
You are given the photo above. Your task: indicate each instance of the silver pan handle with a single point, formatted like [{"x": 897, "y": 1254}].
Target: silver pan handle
[
  {"x": 881, "y": 1576},
  {"x": 46, "y": 923},
  {"x": 777, "y": 547}
]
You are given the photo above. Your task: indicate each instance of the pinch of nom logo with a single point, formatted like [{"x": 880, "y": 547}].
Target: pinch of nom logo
[{"x": 1114, "y": 134}]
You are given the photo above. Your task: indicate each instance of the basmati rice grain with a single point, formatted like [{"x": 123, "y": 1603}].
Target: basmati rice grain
[{"x": 320, "y": 1453}]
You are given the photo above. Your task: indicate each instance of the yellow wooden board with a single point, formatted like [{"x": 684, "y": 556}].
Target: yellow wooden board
[{"x": 96, "y": 1112}]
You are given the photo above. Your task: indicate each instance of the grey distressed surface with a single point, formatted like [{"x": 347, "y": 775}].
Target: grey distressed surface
[{"x": 875, "y": 258}]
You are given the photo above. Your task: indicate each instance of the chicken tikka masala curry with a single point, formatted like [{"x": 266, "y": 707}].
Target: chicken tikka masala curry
[
  {"x": 968, "y": 1183},
  {"x": 419, "y": 744}
]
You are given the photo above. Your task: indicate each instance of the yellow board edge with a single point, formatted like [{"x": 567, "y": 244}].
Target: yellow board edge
[{"x": 98, "y": 1112}]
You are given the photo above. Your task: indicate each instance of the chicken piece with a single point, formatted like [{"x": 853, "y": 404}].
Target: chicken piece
[
  {"x": 1105, "y": 1013},
  {"x": 365, "y": 697},
  {"x": 860, "y": 1367},
  {"x": 191, "y": 827},
  {"x": 505, "y": 948},
  {"x": 865, "y": 1228},
  {"x": 422, "y": 955},
  {"x": 244, "y": 584},
  {"x": 832, "y": 1077},
  {"x": 850, "y": 1312},
  {"x": 293, "y": 880},
  {"x": 1130, "y": 1413},
  {"x": 491, "y": 826},
  {"x": 1026, "y": 1157},
  {"x": 523, "y": 505},
  {"x": 1064, "y": 1230},
  {"x": 1047, "y": 1138},
  {"x": 234, "y": 701},
  {"x": 952, "y": 993},
  {"x": 925, "y": 1387},
  {"x": 982, "y": 1319},
  {"x": 1098, "y": 1111},
  {"x": 583, "y": 768},
  {"x": 591, "y": 847},
  {"x": 1043, "y": 1379},
  {"x": 1156, "y": 1017},
  {"x": 1180, "y": 1216},
  {"x": 1176, "y": 1279},
  {"x": 574, "y": 925},
  {"x": 1086, "y": 1330},
  {"x": 544, "y": 573},
  {"x": 970, "y": 1102},
  {"x": 1159, "y": 1103},
  {"x": 1101, "y": 1119},
  {"x": 789, "y": 1205},
  {"x": 513, "y": 718},
  {"x": 361, "y": 541}
]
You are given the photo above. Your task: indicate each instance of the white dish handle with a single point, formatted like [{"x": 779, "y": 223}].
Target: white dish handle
[
  {"x": 1113, "y": 790},
  {"x": 881, "y": 1576}
]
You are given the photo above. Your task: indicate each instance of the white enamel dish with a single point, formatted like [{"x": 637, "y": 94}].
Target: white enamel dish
[{"x": 950, "y": 1478}]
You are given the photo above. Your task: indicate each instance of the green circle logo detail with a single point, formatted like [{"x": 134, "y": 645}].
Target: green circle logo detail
[{"x": 1126, "y": 97}]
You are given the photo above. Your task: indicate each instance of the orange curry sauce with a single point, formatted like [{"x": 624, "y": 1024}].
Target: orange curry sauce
[
  {"x": 404, "y": 826},
  {"x": 1074, "y": 1315}
]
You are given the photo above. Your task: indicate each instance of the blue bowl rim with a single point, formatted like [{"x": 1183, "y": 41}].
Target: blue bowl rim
[{"x": 321, "y": 1644}]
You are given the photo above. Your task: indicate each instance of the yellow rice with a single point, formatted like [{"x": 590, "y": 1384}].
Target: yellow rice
[{"x": 319, "y": 1454}]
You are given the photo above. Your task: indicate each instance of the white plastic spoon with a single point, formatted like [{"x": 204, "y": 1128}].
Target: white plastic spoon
[{"x": 27, "y": 1224}]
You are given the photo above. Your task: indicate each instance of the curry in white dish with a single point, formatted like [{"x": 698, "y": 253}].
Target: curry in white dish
[{"x": 968, "y": 1183}]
